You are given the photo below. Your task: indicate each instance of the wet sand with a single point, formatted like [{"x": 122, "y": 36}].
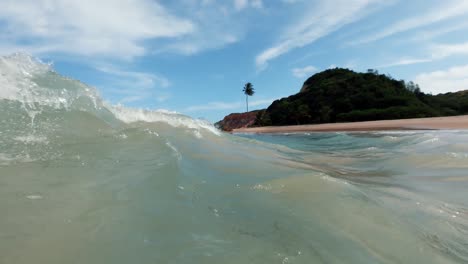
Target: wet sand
[{"x": 435, "y": 123}]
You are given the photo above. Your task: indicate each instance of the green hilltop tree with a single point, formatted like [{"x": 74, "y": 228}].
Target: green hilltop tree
[{"x": 248, "y": 91}]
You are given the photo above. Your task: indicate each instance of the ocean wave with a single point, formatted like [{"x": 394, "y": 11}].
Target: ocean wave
[{"x": 39, "y": 89}]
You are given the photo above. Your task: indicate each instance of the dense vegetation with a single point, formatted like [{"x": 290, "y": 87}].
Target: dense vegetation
[{"x": 342, "y": 95}]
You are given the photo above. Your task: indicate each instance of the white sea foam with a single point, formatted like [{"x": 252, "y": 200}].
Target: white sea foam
[
  {"x": 16, "y": 70},
  {"x": 7, "y": 159},
  {"x": 131, "y": 115},
  {"x": 34, "y": 197},
  {"x": 390, "y": 138},
  {"x": 151, "y": 132},
  {"x": 19, "y": 82},
  {"x": 333, "y": 179},
  {"x": 122, "y": 136},
  {"x": 431, "y": 140},
  {"x": 457, "y": 155},
  {"x": 32, "y": 139},
  {"x": 262, "y": 187},
  {"x": 174, "y": 149}
]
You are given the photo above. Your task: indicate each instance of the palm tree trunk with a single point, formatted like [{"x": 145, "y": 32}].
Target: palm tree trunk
[{"x": 247, "y": 102}]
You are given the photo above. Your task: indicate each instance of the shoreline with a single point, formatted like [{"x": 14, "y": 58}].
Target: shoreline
[{"x": 432, "y": 123}]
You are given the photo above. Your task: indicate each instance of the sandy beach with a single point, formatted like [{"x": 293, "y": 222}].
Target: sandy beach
[{"x": 435, "y": 123}]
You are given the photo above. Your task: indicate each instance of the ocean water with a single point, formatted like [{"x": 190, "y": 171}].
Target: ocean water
[{"x": 83, "y": 181}]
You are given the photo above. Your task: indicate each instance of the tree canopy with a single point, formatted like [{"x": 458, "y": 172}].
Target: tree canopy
[
  {"x": 342, "y": 95},
  {"x": 248, "y": 89}
]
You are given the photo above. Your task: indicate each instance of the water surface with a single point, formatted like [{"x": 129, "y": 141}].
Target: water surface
[{"x": 82, "y": 181}]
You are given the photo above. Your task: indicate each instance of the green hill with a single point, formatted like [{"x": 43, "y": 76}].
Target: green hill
[{"x": 342, "y": 95}]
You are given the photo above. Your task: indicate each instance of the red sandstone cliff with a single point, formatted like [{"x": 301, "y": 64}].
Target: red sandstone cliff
[{"x": 237, "y": 120}]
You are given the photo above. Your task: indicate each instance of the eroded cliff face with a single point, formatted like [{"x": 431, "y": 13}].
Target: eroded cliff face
[{"x": 237, "y": 120}]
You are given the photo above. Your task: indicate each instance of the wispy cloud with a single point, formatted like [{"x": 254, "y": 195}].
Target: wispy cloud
[
  {"x": 139, "y": 79},
  {"x": 405, "y": 61},
  {"x": 430, "y": 34},
  {"x": 194, "y": 44},
  {"x": 434, "y": 52},
  {"x": 132, "y": 86},
  {"x": 218, "y": 24},
  {"x": 228, "y": 105},
  {"x": 319, "y": 20},
  {"x": 444, "y": 81},
  {"x": 440, "y": 51},
  {"x": 129, "y": 29},
  {"x": 116, "y": 28},
  {"x": 303, "y": 72},
  {"x": 443, "y": 11}
]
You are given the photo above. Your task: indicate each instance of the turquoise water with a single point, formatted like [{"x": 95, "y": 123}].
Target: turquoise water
[{"x": 83, "y": 181}]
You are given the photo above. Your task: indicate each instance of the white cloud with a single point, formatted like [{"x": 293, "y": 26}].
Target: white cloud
[
  {"x": 303, "y": 72},
  {"x": 319, "y": 20},
  {"x": 441, "y": 51},
  {"x": 133, "y": 86},
  {"x": 436, "y": 52},
  {"x": 432, "y": 33},
  {"x": 242, "y": 4},
  {"x": 218, "y": 25},
  {"x": 451, "y": 80},
  {"x": 209, "y": 39},
  {"x": 445, "y": 10},
  {"x": 139, "y": 79},
  {"x": 405, "y": 61},
  {"x": 228, "y": 105},
  {"x": 261, "y": 102},
  {"x": 116, "y": 28},
  {"x": 122, "y": 29}
]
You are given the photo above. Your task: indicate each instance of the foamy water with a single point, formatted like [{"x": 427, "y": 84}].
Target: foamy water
[{"x": 83, "y": 181}]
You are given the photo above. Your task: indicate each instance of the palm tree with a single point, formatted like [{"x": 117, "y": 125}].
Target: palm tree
[{"x": 248, "y": 91}]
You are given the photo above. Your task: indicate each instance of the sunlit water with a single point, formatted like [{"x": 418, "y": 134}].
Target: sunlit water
[{"x": 82, "y": 181}]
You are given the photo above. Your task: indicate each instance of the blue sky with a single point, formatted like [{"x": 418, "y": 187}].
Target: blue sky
[{"x": 194, "y": 56}]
